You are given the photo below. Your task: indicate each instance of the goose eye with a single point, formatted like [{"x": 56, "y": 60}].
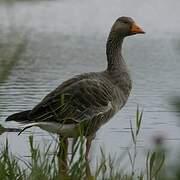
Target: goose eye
[{"x": 125, "y": 22}]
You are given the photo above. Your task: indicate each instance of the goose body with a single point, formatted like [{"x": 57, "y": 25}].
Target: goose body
[{"x": 90, "y": 99}]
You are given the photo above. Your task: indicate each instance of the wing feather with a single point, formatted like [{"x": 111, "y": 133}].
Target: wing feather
[{"x": 75, "y": 101}]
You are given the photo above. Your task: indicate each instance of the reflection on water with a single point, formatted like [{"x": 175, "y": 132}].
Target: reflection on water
[{"x": 51, "y": 57}]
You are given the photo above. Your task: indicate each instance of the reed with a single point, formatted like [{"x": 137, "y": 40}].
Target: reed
[{"x": 46, "y": 163}]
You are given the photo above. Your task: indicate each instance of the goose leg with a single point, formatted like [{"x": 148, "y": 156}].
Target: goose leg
[
  {"x": 62, "y": 155},
  {"x": 88, "y": 145}
]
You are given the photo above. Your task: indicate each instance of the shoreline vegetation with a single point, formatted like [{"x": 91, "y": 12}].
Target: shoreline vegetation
[{"x": 45, "y": 163}]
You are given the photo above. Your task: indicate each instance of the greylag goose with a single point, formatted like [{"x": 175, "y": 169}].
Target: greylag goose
[{"x": 87, "y": 101}]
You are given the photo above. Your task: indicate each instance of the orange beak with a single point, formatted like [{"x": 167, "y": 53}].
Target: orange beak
[{"x": 136, "y": 29}]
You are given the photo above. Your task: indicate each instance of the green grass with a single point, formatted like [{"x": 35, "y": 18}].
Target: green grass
[{"x": 46, "y": 163}]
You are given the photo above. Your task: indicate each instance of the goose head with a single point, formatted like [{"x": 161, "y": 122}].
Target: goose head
[{"x": 126, "y": 26}]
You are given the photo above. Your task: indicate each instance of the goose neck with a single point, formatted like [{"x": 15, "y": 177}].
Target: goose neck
[{"x": 113, "y": 52}]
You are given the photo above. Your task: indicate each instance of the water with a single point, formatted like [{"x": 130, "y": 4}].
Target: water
[{"x": 68, "y": 38}]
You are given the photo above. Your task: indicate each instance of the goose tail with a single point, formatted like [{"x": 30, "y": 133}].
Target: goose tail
[{"x": 19, "y": 117}]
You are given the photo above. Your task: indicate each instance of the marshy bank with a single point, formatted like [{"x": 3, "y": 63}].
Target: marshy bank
[{"x": 49, "y": 163}]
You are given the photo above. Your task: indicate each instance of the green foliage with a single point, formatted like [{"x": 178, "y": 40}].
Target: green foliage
[
  {"x": 154, "y": 164},
  {"x": 134, "y": 135},
  {"x": 47, "y": 163},
  {"x": 2, "y": 129},
  {"x": 9, "y": 167},
  {"x": 41, "y": 164}
]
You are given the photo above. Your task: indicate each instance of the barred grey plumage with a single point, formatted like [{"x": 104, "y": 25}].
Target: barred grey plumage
[{"x": 89, "y": 99}]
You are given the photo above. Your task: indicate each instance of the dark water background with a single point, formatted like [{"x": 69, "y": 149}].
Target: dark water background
[{"x": 66, "y": 38}]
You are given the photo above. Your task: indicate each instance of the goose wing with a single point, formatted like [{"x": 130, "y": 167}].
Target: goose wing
[{"x": 74, "y": 101}]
